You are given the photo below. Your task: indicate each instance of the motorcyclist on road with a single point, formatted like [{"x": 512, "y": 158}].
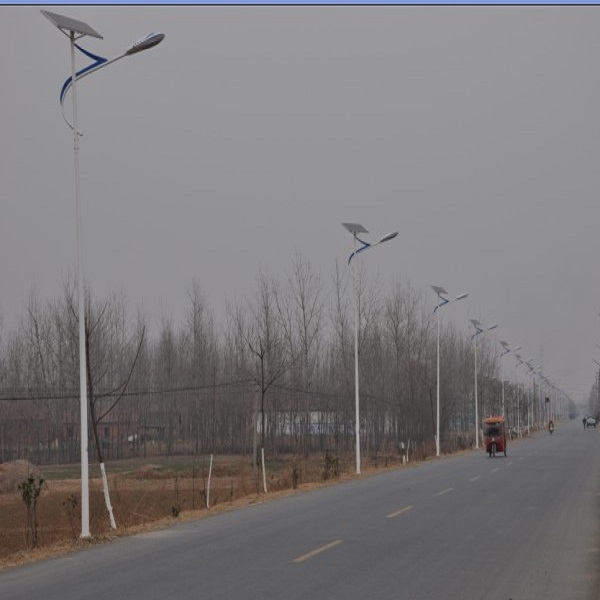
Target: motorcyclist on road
[{"x": 551, "y": 426}]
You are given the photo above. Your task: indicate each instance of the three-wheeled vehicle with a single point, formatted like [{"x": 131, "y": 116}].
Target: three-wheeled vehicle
[{"x": 495, "y": 435}]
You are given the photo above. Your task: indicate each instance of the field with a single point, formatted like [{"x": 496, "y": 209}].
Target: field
[{"x": 147, "y": 495}]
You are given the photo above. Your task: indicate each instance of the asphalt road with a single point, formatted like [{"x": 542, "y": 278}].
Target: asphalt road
[{"x": 467, "y": 527}]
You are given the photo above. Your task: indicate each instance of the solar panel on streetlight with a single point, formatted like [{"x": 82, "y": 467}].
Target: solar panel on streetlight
[
  {"x": 67, "y": 24},
  {"x": 438, "y": 290},
  {"x": 354, "y": 228}
]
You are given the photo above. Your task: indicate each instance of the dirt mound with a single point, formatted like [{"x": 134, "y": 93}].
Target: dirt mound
[{"x": 16, "y": 472}]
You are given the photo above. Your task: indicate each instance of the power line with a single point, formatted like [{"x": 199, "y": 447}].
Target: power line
[{"x": 72, "y": 395}]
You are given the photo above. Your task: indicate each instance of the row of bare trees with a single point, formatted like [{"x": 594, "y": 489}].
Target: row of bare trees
[{"x": 276, "y": 371}]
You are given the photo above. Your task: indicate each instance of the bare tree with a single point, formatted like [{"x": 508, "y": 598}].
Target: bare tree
[
  {"x": 300, "y": 312},
  {"x": 200, "y": 348},
  {"x": 290, "y": 343},
  {"x": 166, "y": 375},
  {"x": 262, "y": 335},
  {"x": 109, "y": 370},
  {"x": 340, "y": 353}
]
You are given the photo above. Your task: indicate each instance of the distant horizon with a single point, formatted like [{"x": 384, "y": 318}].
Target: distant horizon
[{"x": 253, "y": 132}]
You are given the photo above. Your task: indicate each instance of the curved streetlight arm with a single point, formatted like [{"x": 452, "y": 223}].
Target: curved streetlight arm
[
  {"x": 439, "y": 291},
  {"x": 365, "y": 245},
  {"x": 520, "y": 361},
  {"x": 507, "y": 350},
  {"x": 443, "y": 301},
  {"x": 478, "y": 328},
  {"x": 148, "y": 41},
  {"x": 99, "y": 63}
]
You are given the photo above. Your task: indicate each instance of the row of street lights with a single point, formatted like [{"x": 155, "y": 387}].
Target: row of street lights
[
  {"x": 479, "y": 329},
  {"x": 355, "y": 229},
  {"x": 443, "y": 300},
  {"x": 75, "y": 30},
  {"x": 535, "y": 372}
]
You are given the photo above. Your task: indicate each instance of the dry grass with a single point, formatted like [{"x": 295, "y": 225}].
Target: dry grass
[{"x": 145, "y": 496}]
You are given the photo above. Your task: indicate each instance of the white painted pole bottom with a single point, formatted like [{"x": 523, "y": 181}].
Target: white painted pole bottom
[
  {"x": 262, "y": 454},
  {"x": 208, "y": 486}
]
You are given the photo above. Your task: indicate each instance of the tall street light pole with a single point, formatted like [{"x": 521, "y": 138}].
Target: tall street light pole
[
  {"x": 75, "y": 30},
  {"x": 522, "y": 362},
  {"x": 355, "y": 229},
  {"x": 506, "y": 350},
  {"x": 441, "y": 294},
  {"x": 531, "y": 372},
  {"x": 479, "y": 328},
  {"x": 597, "y": 383}
]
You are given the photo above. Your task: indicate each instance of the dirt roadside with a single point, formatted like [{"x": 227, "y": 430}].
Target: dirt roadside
[{"x": 147, "y": 496}]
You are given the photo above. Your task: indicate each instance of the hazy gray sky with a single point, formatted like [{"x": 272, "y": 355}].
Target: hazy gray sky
[{"x": 254, "y": 131}]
